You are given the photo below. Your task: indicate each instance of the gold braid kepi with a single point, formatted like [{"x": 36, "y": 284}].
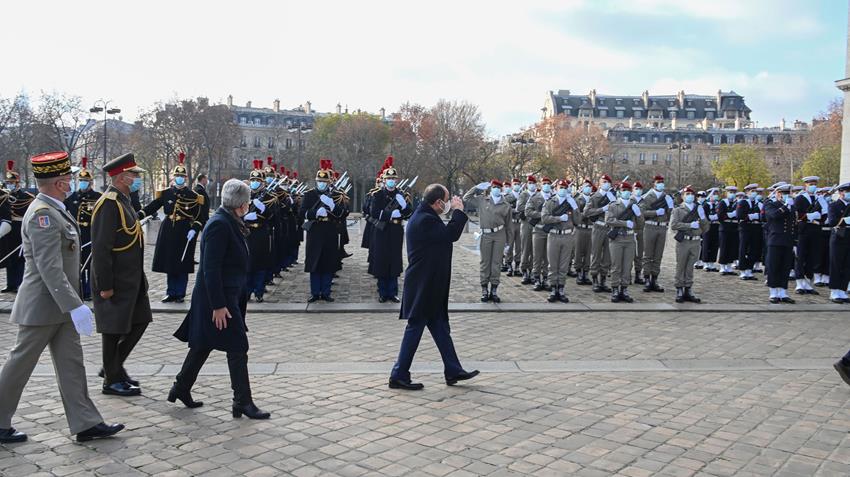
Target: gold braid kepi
[{"x": 51, "y": 164}]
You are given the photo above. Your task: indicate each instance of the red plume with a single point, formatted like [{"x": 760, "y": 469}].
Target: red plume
[
  {"x": 269, "y": 160},
  {"x": 181, "y": 157},
  {"x": 330, "y": 164},
  {"x": 336, "y": 175},
  {"x": 10, "y": 165},
  {"x": 85, "y": 161},
  {"x": 295, "y": 175},
  {"x": 389, "y": 161}
]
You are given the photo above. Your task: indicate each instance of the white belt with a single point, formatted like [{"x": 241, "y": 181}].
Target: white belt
[
  {"x": 492, "y": 231},
  {"x": 692, "y": 237},
  {"x": 655, "y": 222},
  {"x": 599, "y": 222},
  {"x": 582, "y": 226},
  {"x": 539, "y": 226},
  {"x": 516, "y": 221},
  {"x": 826, "y": 229},
  {"x": 561, "y": 232}
]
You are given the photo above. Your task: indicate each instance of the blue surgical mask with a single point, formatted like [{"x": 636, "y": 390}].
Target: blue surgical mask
[
  {"x": 180, "y": 180},
  {"x": 547, "y": 188},
  {"x": 255, "y": 185},
  {"x": 136, "y": 185},
  {"x": 689, "y": 199},
  {"x": 532, "y": 188},
  {"x": 626, "y": 194},
  {"x": 269, "y": 180},
  {"x": 606, "y": 186},
  {"x": 759, "y": 197},
  {"x": 751, "y": 195},
  {"x": 586, "y": 190},
  {"x": 638, "y": 192},
  {"x": 700, "y": 200},
  {"x": 730, "y": 195},
  {"x": 715, "y": 197},
  {"x": 812, "y": 189},
  {"x": 659, "y": 186},
  {"x": 496, "y": 193},
  {"x": 571, "y": 190},
  {"x": 562, "y": 193},
  {"x": 390, "y": 183},
  {"x": 517, "y": 188},
  {"x": 84, "y": 185},
  {"x": 11, "y": 185},
  {"x": 321, "y": 186}
]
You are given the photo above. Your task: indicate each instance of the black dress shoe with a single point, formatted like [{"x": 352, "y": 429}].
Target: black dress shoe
[
  {"x": 9, "y": 290},
  {"x": 99, "y": 432},
  {"x": 327, "y": 298},
  {"x": 260, "y": 299},
  {"x": 461, "y": 377},
  {"x": 178, "y": 299},
  {"x": 313, "y": 299},
  {"x": 250, "y": 410},
  {"x": 774, "y": 300},
  {"x": 184, "y": 397},
  {"x": 788, "y": 299},
  {"x": 123, "y": 389},
  {"x": 813, "y": 292},
  {"x": 800, "y": 291},
  {"x": 10, "y": 436},
  {"x": 382, "y": 299},
  {"x": 394, "y": 299},
  {"x": 167, "y": 299},
  {"x": 843, "y": 371},
  {"x": 407, "y": 385},
  {"x": 128, "y": 379}
]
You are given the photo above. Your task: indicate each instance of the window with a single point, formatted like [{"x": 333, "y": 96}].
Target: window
[
  {"x": 643, "y": 139},
  {"x": 686, "y": 139},
  {"x": 655, "y": 139},
  {"x": 243, "y": 120},
  {"x": 654, "y": 158},
  {"x": 637, "y": 114},
  {"x": 271, "y": 143},
  {"x": 256, "y": 121},
  {"x": 620, "y": 113},
  {"x": 625, "y": 158},
  {"x": 716, "y": 139},
  {"x": 669, "y": 159},
  {"x": 289, "y": 143},
  {"x": 709, "y": 114},
  {"x": 668, "y": 140},
  {"x": 301, "y": 144},
  {"x": 256, "y": 141},
  {"x": 642, "y": 158},
  {"x": 243, "y": 142},
  {"x": 603, "y": 113},
  {"x": 690, "y": 115}
]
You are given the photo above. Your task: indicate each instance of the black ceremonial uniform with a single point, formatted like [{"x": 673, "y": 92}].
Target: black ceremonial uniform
[
  {"x": 260, "y": 237},
  {"x": 322, "y": 242},
  {"x": 839, "y": 246},
  {"x": 205, "y": 213},
  {"x": 750, "y": 236},
  {"x": 80, "y": 205},
  {"x": 369, "y": 227},
  {"x": 781, "y": 222},
  {"x": 728, "y": 231},
  {"x": 808, "y": 234},
  {"x": 19, "y": 200},
  {"x": 340, "y": 218},
  {"x": 388, "y": 239},
  {"x": 710, "y": 239}
]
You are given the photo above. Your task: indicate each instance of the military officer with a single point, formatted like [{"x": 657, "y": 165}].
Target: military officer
[
  {"x": 727, "y": 215},
  {"x": 119, "y": 286},
  {"x": 18, "y": 200},
  {"x": 689, "y": 221},
  {"x": 200, "y": 188},
  {"x": 711, "y": 239},
  {"x": 322, "y": 254},
  {"x": 526, "y": 230},
  {"x": 390, "y": 207},
  {"x": 750, "y": 234},
  {"x": 656, "y": 207},
  {"x": 621, "y": 218},
  {"x": 369, "y": 227},
  {"x": 513, "y": 254},
  {"x": 258, "y": 220},
  {"x": 600, "y": 253},
  {"x": 80, "y": 205},
  {"x": 271, "y": 199},
  {"x": 48, "y": 309},
  {"x": 781, "y": 223},
  {"x": 534, "y": 210},
  {"x": 821, "y": 268},
  {"x": 637, "y": 198},
  {"x": 559, "y": 216},
  {"x": 494, "y": 215},
  {"x": 811, "y": 215},
  {"x": 5, "y": 222},
  {"x": 839, "y": 245},
  {"x": 583, "y": 226}
]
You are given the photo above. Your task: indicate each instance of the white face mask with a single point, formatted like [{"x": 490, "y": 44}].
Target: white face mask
[{"x": 447, "y": 206}]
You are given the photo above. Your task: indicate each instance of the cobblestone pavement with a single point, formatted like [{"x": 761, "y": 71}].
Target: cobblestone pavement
[
  {"x": 631, "y": 394},
  {"x": 355, "y": 285}
]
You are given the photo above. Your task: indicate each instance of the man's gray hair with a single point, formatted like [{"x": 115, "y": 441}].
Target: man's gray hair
[{"x": 235, "y": 194}]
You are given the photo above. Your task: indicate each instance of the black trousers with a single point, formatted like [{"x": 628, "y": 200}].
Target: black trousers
[
  {"x": 237, "y": 364},
  {"x": 116, "y": 349},
  {"x": 808, "y": 250},
  {"x": 839, "y": 260},
  {"x": 780, "y": 261}
]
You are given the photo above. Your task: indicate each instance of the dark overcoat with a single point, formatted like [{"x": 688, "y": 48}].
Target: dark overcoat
[
  {"x": 184, "y": 211},
  {"x": 429, "y": 264},
  {"x": 322, "y": 254},
  {"x": 221, "y": 282},
  {"x": 387, "y": 243}
]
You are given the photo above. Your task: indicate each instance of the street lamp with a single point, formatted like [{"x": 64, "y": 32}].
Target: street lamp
[
  {"x": 523, "y": 143},
  {"x": 106, "y": 110},
  {"x": 302, "y": 129},
  {"x": 681, "y": 147}
]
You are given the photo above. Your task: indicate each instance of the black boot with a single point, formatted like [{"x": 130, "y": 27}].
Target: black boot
[
  {"x": 526, "y": 278},
  {"x": 485, "y": 294},
  {"x": 596, "y": 287},
  {"x": 562, "y": 296},
  {"x": 680, "y": 295},
  {"x": 689, "y": 296},
  {"x": 615, "y": 296},
  {"x": 553, "y": 297},
  {"x": 184, "y": 396},
  {"x": 647, "y": 283},
  {"x": 538, "y": 284},
  {"x": 624, "y": 295},
  {"x": 655, "y": 286},
  {"x": 639, "y": 280},
  {"x": 584, "y": 279},
  {"x": 602, "y": 284},
  {"x": 571, "y": 273},
  {"x": 237, "y": 364},
  {"x": 493, "y": 296},
  {"x": 546, "y": 285}
]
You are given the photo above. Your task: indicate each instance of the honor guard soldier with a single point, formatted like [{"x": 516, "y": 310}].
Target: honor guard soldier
[
  {"x": 48, "y": 309},
  {"x": 80, "y": 205},
  {"x": 600, "y": 253},
  {"x": 750, "y": 234},
  {"x": 559, "y": 217},
  {"x": 18, "y": 200},
  {"x": 781, "y": 224},
  {"x": 526, "y": 230},
  {"x": 811, "y": 216},
  {"x": 200, "y": 188},
  {"x": 839, "y": 245},
  {"x": 711, "y": 239},
  {"x": 340, "y": 216},
  {"x": 322, "y": 254},
  {"x": 622, "y": 217},
  {"x": 759, "y": 264},
  {"x": 5, "y": 227},
  {"x": 494, "y": 215},
  {"x": 655, "y": 206},
  {"x": 259, "y": 233},
  {"x": 637, "y": 198},
  {"x": 513, "y": 253},
  {"x": 294, "y": 234},
  {"x": 534, "y": 210},
  {"x": 271, "y": 199},
  {"x": 728, "y": 229},
  {"x": 821, "y": 269},
  {"x": 174, "y": 254},
  {"x": 369, "y": 226},
  {"x": 583, "y": 231},
  {"x": 119, "y": 287},
  {"x": 390, "y": 207},
  {"x": 689, "y": 221}
]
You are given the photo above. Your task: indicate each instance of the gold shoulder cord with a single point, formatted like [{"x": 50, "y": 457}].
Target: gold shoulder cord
[
  {"x": 183, "y": 207},
  {"x": 135, "y": 232}
]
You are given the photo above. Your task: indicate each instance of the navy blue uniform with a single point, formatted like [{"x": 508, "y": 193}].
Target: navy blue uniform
[
  {"x": 808, "y": 234},
  {"x": 750, "y": 235},
  {"x": 781, "y": 223},
  {"x": 839, "y": 245},
  {"x": 728, "y": 231}
]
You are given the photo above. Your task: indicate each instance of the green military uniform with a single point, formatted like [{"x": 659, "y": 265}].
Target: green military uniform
[
  {"x": 526, "y": 232},
  {"x": 559, "y": 216},
  {"x": 639, "y": 249},
  {"x": 600, "y": 254},
  {"x": 539, "y": 237},
  {"x": 689, "y": 227},
  {"x": 513, "y": 253},
  {"x": 494, "y": 218},
  {"x": 621, "y": 218},
  {"x": 655, "y": 233},
  {"x": 583, "y": 241}
]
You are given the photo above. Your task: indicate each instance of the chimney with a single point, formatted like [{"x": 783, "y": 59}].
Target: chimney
[
  {"x": 277, "y": 105},
  {"x": 248, "y": 104},
  {"x": 229, "y": 100},
  {"x": 782, "y": 124},
  {"x": 308, "y": 107},
  {"x": 593, "y": 97},
  {"x": 383, "y": 113},
  {"x": 645, "y": 97},
  {"x": 681, "y": 98},
  {"x": 338, "y": 108}
]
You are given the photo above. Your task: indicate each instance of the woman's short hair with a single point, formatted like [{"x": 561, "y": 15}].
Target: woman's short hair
[{"x": 235, "y": 194}]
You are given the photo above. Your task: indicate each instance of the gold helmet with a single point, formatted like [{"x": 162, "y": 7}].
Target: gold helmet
[
  {"x": 325, "y": 172},
  {"x": 11, "y": 174},
  {"x": 389, "y": 172},
  {"x": 180, "y": 168},
  {"x": 257, "y": 173},
  {"x": 84, "y": 174}
]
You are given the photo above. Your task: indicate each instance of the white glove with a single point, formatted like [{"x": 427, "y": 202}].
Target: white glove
[
  {"x": 636, "y": 210},
  {"x": 396, "y": 214},
  {"x": 610, "y": 196},
  {"x": 83, "y": 320},
  {"x": 660, "y": 212},
  {"x": 847, "y": 220},
  {"x": 669, "y": 201},
  {"x": 630, "y": 224},
  {"x": 695, "y": 224},
  {"x": 190, "y": 235},
  {"x": 322, "y": 212},
  {"x": 401, "y": 202},
  {"x": 712, "y": 217},
  {"x": 761, "y": 206},
  {"x": 250, "y": 216},
  {"x": 572, "y": 203},
  {"x": 753, "y": 216},
  {"x": 701, "y": 213},
  {"x": 483, "y": 186},
  {"x": 605, "y": 208},
  {"x": 327, "y": 201},
  {"x": 565, "y": 218},
  {"x": 823, "y": 204},
  {"x": 732, "y": 214},
  {"x": 5, "y": 228},
  {"x": 259, "y": 205},
  {"x": 813, "y": 216},
  {"x": 476, "y": 235},
  {"x": 789, "y": 202}
]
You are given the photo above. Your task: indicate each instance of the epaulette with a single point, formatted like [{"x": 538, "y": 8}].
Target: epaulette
[
  {"x": 159, "y": 193},
  {"x": 201, "y": 199},
  {"x": 376, "y": 189},
  {"x": 111, "y": 195}
]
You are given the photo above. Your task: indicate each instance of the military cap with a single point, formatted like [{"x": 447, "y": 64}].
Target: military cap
[
  {"x": 51, "y": 164},
  {"x": 638, "y": 185},
  {"x": 731, "y": 188},
  {"x": 751, "y": 186},
  {"x": 180, "y": 168},
  {"x": 811, "y": 179},
  {"x": 122, "y": 163},
  {"x": 843, "y": 187}
]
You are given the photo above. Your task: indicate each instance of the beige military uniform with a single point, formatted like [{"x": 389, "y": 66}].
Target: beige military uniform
[
  {"x": 582, "y": 240},
  {"x": 525, "y": 233},
  {"x": 539, "y": 238},
  {"x": 687, "y": 251},
  {"x": 561, "y": 240},
  {"x": 513, "y": 254},
  {"x": 655, "y": 230},
  {"x": 600, "y": 254},
  {"x": 493, "y": 221},
  {"x": 623, "y": 245}
]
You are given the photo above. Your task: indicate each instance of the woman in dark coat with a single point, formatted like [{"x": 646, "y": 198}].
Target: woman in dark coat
[{"x": 216, "y": 318}]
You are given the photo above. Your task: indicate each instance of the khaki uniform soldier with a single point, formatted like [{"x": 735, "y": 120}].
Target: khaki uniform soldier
[
  {"x": 656, "y": 207},
  {"x": 539, "y": 237},
  {"x": 119, "y": 286},
  {"x": 494, "y": 217},
  {"x": 637, "y": 194},
  {"x": 526, "y": 229},
  {"x": 688, "y": 221},
  {"x": 513, "y": 255},
  {"x": 559, "y": 216},
  {"x": 48, "y": 309},
  {"x": 621, "y": 218},
  {"x": 583, "y": 232},
  {"x": 600, "y": 254}
]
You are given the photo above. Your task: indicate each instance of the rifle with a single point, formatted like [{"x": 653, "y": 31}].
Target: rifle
[
  {"x": 389, "y": 208},
  {"x": 692, "y": 215},
  {"x": 409, "y": 185},
  {"x": 627, "y": 214},
  {"x": 841, "y": 230},
  {"x": 561, "y": 210}
]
